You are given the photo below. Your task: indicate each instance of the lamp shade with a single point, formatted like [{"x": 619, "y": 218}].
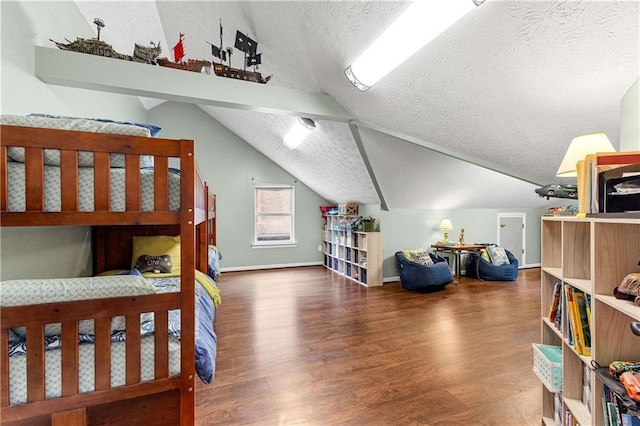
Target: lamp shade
[
  {"x": 580, "y": 147},
  {"x": 446, "y": 225}
]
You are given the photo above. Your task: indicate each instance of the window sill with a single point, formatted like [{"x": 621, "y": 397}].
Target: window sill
[{"x": 274, "y": 244}]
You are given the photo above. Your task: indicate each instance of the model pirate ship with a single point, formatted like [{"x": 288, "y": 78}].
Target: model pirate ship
[
  {"x": 95, "y": 46},
  {"x": 251, "y": 59},
  {"x": 195, "y": 65}
]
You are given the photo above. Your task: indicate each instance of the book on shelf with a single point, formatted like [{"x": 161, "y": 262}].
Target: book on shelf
[
  {"x": 586, "y": 386},
  {"x": 629, "y": 420},
  {"x": 613, "y": 412},
  {"x": 555, "y": 301},
  {"x": 572, "y": 337},
  {"x": 579, "y": 325},
  {"x": 583, "y": 323}
]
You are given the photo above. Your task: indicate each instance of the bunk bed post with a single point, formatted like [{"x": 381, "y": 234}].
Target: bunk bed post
[
  {"x": 202, "y": 241},
  {"x": 187, "y": 282}
]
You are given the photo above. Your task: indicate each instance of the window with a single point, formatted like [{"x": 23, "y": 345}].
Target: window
[{"x": 274, "y": 215}]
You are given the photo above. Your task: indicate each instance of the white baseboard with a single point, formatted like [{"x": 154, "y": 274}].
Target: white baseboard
[
  {"x": 295, "y": 265},
  {"x": 258, "y": 267}
]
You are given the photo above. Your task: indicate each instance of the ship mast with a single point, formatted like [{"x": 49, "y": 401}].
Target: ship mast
[
  {"x": 100, "y": 24},
  {"x": 218, "y": 52}
]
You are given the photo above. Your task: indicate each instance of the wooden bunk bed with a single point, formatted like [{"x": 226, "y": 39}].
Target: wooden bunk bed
[{"x": 165, "y": 399}]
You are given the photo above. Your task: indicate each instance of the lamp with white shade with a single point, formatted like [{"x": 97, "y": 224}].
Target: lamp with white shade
[
  {"x": 580, "y": 147},
  {"x": 446, "y": 226}
]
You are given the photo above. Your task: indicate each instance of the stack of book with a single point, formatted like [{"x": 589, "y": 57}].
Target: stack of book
[
  {"x": 578, "y": 305},
  {"x": 617, "y": 411},
  {"x": 575, "y": 304}
]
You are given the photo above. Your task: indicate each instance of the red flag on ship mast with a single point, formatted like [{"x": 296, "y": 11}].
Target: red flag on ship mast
[{"x": 178, "y": 50}]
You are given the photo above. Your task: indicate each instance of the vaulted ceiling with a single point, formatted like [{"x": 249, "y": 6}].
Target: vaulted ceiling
[{"x": 478, "y": 118}]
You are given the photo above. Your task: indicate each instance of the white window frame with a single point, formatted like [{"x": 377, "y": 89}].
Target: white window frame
[{"x": 283, "y": 243}]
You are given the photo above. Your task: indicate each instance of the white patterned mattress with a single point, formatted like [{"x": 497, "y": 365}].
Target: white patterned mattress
[
  {"x": 53, "y": 384},
  {"x": 52, "y": 203},
  {"x": 36, "y": 291},
  {"x": 16, "y": 175}
]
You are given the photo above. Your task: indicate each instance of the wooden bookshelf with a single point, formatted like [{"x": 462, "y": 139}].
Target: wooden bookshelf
[
  {"x": 592, "y": 255},
  {"x": 355, "y": 255}
]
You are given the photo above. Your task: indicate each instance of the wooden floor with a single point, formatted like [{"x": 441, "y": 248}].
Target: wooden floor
[{"x": 305, "y": 346}]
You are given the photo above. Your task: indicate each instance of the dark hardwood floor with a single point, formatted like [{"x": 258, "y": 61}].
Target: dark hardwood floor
[{"x": 306, "y": 346}]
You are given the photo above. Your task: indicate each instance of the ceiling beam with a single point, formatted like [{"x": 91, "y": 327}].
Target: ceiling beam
[
  {"x": 457, "y": 155},
  {"x": 363, "y": 153},
  {"x": 93, "y": 72}
]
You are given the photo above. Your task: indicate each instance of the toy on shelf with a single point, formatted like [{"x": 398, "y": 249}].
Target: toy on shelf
[{"x": 251, "y": 58}]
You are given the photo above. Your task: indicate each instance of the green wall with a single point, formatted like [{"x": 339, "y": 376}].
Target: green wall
[
  {"x": 409, "y": 229},
  {"x": 232, "y": 167}
]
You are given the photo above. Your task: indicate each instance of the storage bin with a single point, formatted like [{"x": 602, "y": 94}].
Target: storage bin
[
  {"x": 547, "y": 364},
  {"x": 350, "y": 209}
]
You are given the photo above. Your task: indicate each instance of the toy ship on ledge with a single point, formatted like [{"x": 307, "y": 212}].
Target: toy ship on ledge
[
  {"x": 195, "y": 65},
  {"x": 251, "y": 58},
  {"x": 95, "y": 46}
]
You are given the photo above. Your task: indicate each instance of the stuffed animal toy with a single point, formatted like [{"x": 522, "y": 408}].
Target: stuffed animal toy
[{"x": 629, "y": 288}]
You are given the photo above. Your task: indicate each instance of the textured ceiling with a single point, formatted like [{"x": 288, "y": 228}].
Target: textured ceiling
[
  {"x": 327, "y": 161},
  {"x": 507, "y": 87}
]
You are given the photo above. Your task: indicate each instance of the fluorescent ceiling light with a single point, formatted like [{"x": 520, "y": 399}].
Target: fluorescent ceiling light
[
  {"x": 580, "y": 147},
  {"x": 420, "y": 23},
  {"x": 301, "y": 128}
]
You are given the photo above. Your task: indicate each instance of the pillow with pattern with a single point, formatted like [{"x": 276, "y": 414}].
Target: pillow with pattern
[
  {"x": 157, "y": 245},
  {"x": 418, "y": 256},
  {"x": 423, "y": 258},
  {"x": 498, "y": 255},
  {"x": 156, "y": 264}
]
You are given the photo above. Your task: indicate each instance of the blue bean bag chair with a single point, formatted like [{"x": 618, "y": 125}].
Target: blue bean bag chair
[
  {"x": 478, "y": 267},
  {"x": 418, "y": 276}
]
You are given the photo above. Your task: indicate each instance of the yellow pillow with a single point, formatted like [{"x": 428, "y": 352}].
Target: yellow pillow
[{"x": 157, "y": 245}]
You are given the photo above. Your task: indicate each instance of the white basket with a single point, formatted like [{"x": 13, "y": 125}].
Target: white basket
[{"x": 547, "y": 364}]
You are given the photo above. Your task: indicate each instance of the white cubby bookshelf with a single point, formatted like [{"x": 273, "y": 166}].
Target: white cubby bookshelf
[
  {"x": 592, "y": 255},
  {"x": 353, "y": 254}
]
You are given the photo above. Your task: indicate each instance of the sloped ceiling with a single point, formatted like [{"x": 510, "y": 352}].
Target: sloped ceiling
[{"x": 504, "y": 89}]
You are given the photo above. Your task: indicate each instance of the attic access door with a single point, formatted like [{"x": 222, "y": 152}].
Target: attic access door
[{"x": 511, "y": 234}]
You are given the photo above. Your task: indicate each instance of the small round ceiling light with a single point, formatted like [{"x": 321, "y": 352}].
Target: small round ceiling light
[{"x": 301, "y": 128}]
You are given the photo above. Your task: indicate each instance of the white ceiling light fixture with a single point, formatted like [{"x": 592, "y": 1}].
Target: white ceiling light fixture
[
  {"x": 580, "y": 147},
  {"x": 420, "y": 23},
  {"x": 301, "y": 128}
]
